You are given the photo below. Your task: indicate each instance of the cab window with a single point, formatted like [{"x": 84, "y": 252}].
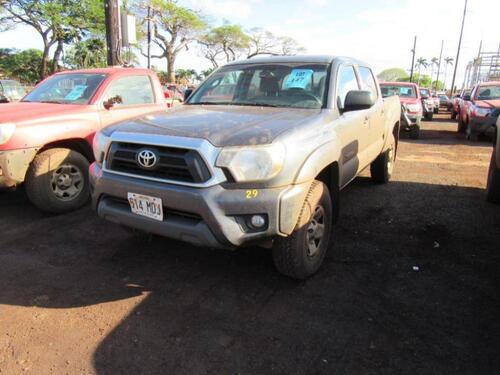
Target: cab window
[
  {"x": 347, "y": 81},
  {"x": 368, "y": 81},
  {"x": 133, "y": 90}
]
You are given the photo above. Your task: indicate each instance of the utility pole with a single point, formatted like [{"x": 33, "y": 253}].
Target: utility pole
[
  {"x": 149, "y": 36},
  {"x": 458, "y": 51},
  {"x": 112, "y": 18},
  {"x": 413, "y": 57},
  {"x": 439, "y": 65}
]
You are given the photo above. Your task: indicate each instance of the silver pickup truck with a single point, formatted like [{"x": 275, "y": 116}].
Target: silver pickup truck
[{"x": 257, "y": 155}]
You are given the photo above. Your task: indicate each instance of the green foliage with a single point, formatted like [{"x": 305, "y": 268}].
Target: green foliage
[
  {"x": 23, "y": 65},
  {"x": 90, "y": 53},
  {"x": 393, "y": 74},
  {"x": 226, "y": 42},
  {"x": 423, "y": 80}
]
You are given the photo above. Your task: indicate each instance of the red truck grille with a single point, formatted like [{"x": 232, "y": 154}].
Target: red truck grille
[{"x": 175, "y": 164}]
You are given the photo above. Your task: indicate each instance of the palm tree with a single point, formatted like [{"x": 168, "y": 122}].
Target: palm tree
[
  {"x": 421, "y": 62},
  {"x": 434, "y": 61},
  {"x": 447, "y": 61}
]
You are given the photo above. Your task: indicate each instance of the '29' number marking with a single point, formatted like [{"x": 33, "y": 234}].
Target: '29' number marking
[{"x": 250, "y": 194}]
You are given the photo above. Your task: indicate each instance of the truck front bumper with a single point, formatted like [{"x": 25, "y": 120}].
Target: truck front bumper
[
  {"x": 14, "y": 164},
  {"x": 214, "y": 216},
  {"x": 415, "y": 120}
]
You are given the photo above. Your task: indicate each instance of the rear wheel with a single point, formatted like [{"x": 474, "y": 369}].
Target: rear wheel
[
  {"x": 415, "y": 132},
  {"x": 301, "y": 254},
  {"x": 57, "y": 180},
  {"x": 493, "y": 185},
  {"x": 381, "y": 168}
]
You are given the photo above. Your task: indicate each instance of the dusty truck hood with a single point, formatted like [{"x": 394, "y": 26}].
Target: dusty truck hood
[{"x": 221, "y": 125}]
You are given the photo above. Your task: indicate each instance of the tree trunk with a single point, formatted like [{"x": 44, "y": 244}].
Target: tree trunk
[
  {"x": 45, "y": 58},
  {"x": 170, "y": 67},
  {"x": 57, "y": 55}
]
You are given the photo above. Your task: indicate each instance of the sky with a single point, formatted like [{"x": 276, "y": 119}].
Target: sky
[{"x": 379, "y": 32}]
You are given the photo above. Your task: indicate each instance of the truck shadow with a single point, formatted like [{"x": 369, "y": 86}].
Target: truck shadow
[
  {"x": 212, "y": 311},
  {"x": 447, "y": 136}
]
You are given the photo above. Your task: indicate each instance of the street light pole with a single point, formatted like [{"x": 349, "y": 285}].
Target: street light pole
[
  {"x": 413, "y": 57},
  {"x": 112, "y": 15},
  {"x": 458, "y": 50},
  {"x": 439, "y": 65}
]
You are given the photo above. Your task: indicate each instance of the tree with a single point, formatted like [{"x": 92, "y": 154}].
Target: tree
[
  {"x": 174, "y": 27},
  {"x": 57, "y": 21},
  {"x": 228, "y": 41},
  {"x": 23, "y": 65},
  {"x": 264, "y": 42},
  {"x": 447, "y": 61},
  {"x": 185, "y": 75},
  {"x": 90, "y": 53},
  {"x": 423, "y": 80},
  {"x": 421, "y": 62},
  {"x": 392, "y": 74}
]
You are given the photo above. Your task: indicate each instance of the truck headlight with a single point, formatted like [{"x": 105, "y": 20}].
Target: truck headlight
[
  {"x": 414, "y": 107},
  {"x": 99, "y": 145},
  {"x": 252, "y": 163},
  {"x": 6, "y": 131},
  {"x": 482, "y": 112}
]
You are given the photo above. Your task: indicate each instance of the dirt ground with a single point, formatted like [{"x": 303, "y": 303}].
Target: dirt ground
[{"x": 411, "y": 286}]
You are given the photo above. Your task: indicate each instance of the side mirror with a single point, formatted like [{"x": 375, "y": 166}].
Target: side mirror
[
  {"x": 356, "y": 100},
  {"x": 467, "y": 98},
  {"x": 108, "y": 104},
  {"x": 187, "y": 94}
]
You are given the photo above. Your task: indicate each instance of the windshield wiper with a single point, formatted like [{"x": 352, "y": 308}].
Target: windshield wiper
[
  {"x": 51, "y": 101},
  {"x": 259, "y": 105},
  {"x": 211, "y": 103}
]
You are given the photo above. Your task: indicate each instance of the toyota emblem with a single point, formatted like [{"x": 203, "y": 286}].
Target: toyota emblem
[{"x": 147, "y": 159}]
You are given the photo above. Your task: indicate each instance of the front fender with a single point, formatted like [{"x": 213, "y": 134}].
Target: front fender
[{"x": 318, "y": 160}]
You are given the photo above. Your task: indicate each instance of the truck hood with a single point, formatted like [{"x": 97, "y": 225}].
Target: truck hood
[
  {"x": 27, "y": 112},
  {"x": 488, "y": 103},
  {"x": 221, "y": 125},
  {"x": 409, "y": 100}
]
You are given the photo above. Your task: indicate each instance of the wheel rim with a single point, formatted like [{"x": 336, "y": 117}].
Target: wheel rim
[
  {"x": 316, "y": 231},
  {"x": 67, "y": 182},
  {"x": 390, "y": 161}
]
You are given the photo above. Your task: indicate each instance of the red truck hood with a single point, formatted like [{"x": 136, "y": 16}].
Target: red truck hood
[
  {"x": 488, "y": 103},
  {"x": 24, "y": 112},
  {"x": 408, "y": 100}
]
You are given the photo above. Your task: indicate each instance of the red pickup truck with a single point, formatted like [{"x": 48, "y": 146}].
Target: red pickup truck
[{"x": 46, "y": 138}]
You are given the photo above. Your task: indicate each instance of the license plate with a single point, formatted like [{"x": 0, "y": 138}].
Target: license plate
[{"x": 146, "y": 206}]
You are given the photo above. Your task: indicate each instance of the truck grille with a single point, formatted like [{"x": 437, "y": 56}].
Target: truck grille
[{"x": 176, "y": 164}]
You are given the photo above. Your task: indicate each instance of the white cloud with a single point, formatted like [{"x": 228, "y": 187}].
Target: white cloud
[{"x": 229, "y": 9}]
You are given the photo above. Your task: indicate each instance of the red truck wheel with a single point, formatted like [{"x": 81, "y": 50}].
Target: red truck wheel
[
  {"x": 493, "y": 185},
  {"x": 57, "y": 180}
]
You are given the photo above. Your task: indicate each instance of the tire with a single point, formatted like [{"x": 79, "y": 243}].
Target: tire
[
  {"x": 382, "y": 167},
  {"x": 453, "y": 115},
  {"x": 493, "y": 184},
  {"x": 57, "y": 180},
  {"x": 415, "y": 132},
  {"x": 296, "y": 256},
  {"x": 429, "y": 116},
  {"x": 436, "y": 111},
  {"x": 461, "y": 125},
  {"x": 470, "y": 135}
]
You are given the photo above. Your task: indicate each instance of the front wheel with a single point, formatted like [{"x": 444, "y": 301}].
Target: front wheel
[
  {"x": 57, "y": 180},
  {"x": 301, "y": 254},
  {"x": 415, "y": 132},
  {"x": 493, "y": 185},
  {"x": 428, "y": 116}
]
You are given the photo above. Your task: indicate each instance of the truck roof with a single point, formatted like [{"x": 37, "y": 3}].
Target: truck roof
[
  {"x": 110, "y": 70},
  {"x": 307, "y": 59},
  {"x": 399, "y": 83}
]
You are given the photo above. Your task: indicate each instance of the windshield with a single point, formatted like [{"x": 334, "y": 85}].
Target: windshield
[
  {"x": 71, "y": 88},
  {"x": 270, "y": 85},
  {"x": 402, "y": 91},
  {"x": 424, "y": 92},
  {"x": 488, "y": 93},
  {"x": 12, "y": 89}
]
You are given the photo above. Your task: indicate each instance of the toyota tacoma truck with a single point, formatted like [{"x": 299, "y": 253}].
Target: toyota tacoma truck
[
  {"x": 46, "y": 138},
  {"x": 261, "y": 164}
]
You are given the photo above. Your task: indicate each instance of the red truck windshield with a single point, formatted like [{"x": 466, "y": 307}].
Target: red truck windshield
[
  {"x": 402, "y": 91},
  {"x": 71, "y": 88}
]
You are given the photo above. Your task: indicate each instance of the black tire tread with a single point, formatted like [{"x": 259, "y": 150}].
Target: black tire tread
[{"x": 493, "y": 187}]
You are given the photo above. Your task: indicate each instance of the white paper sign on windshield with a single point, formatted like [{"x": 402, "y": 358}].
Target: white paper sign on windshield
[{"x": 299, "y": 78}]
